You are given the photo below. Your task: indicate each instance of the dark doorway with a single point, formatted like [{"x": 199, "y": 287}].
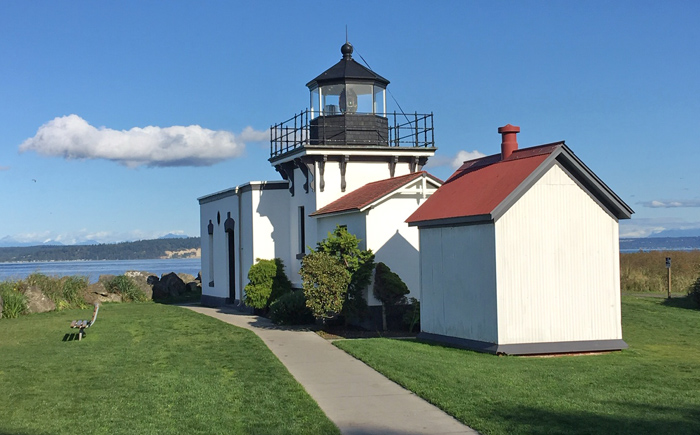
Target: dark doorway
[{"x": 229, "y": 227}]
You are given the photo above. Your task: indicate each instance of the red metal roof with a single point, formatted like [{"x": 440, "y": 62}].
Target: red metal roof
[
  {"x": 367, "y": 194},
  {"x": 480, "y": 185}
]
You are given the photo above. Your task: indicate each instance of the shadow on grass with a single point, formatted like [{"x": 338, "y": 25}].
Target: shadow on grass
[
  {"x": 71, "y": 337},
  {"x": 686, "y": 302},
  {"x": 656, "y": 419}
]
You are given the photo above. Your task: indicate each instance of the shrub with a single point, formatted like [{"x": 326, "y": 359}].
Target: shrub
[
  {"x": 345, "y": 248},
  {"x": 267, "y": 282},
  {"x": 325, "y": 281},
  {"x": 694, "y": 292},
  {"x": 388, "y": 288},
  {"x": 126, "y": 287},
  {"x": 65, "y": 292},
  {"x": 646, "y": 271},
  {"x": 73, "y": 289},
  {"x": 14, "y": 302},
  {"x": 51, "y": 287},
  {"x": 291, "y": 309},
  {"x": 412, "y": 317}
]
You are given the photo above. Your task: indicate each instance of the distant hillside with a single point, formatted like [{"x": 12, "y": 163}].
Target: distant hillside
[
  {"x": 660, "y": 244},
  {"x": 141, "y": 250}
]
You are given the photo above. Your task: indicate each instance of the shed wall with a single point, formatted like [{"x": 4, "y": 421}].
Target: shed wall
[
  {"x": 458, "y": 282},
  {"x": 558, "y": 266}
]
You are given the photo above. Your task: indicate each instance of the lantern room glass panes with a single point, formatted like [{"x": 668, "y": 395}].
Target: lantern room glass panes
[
  {"x": 330, "y": 99},
  {"x": 315, "y": 103},
  {"x": 379, "y": 100},
  {"x": 348, "y": 98}
]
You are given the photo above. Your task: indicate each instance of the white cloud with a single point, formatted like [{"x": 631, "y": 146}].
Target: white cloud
[
  {"x": 464, "y": 156},
  {"x": 71, "y": 137},
  {"x": 4, "y": 168},
  {"x": 644, "y": 227},
  {"x": 455, "y": 161},
  {"x": 672, "y": 204}
]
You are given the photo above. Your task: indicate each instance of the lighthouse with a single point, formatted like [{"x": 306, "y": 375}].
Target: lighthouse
[{"x": 344, "y": 160}]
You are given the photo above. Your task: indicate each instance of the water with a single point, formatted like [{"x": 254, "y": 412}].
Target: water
[{"x": 93, "y": 269}]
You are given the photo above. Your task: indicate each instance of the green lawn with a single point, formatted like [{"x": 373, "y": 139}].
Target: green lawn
[
  {"x": 652, "y": 387},
  {"x": 146, "y": 368}
]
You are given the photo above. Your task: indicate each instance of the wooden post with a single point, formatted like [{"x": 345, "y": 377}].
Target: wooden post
[{"x": 668, "y": 268}]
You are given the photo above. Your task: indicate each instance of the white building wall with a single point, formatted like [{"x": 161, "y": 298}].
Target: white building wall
[
  {"x": 558, "y": 266},
  {"x": 216, "y": 212},
  {"x": 357, "y": 174},
  {"x": 271, "y": 224},
  {"x": 294, "y": 243},
  {"x": 355, "y": 223},
  {"x": 393, "y": 242},
  {"x": 458, "y": 282}
]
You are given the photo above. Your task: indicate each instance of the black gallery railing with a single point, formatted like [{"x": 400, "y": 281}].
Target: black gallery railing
[{"x": 356, "y": 129}]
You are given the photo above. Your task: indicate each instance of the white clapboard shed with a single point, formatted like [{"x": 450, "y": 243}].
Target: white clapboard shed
[{"x": 519, "y": 254}]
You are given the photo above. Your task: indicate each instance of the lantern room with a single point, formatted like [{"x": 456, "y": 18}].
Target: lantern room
[{"x": 348, "y": 88}]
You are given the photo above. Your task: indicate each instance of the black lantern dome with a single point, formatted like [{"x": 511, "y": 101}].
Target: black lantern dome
[{"x": 348, "y": 88}]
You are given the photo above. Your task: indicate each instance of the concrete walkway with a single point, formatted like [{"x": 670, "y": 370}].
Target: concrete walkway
[{"x": 355, "y": 397}]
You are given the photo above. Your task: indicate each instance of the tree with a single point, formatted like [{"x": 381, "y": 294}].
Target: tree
[
  {"x": 343, "y": 246},
  {"x": 325, "y": 281},
  {"x": 388, "y": 288},
  {"x": 267, "y": 282}
]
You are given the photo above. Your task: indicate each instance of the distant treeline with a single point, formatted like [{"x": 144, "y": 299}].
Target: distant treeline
[{"x": 139, "y": 250}]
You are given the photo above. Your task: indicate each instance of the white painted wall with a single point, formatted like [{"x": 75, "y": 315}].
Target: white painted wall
[
  {"x": 209, "y": 211},
  {"x": 558, "y": 266},
  {"x": 357, "y": 174},
  {"x": 393, "y": 241},
  {"x": 458, "y": 282},
  {"x": 308, "y": 201},
  {"x": 354, "y": 221}
]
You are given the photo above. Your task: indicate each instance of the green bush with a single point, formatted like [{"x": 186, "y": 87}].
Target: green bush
[
  {"x": 51, "y": 287},
  {"x": 694, "y": 292},
  {"x": 73, "y": 289},
  {"x": 291, "y": 309},
  {"x": 344, "y": 246},
  {"x": 126, "y": 287},
  {"x": 14, "y": 302},
  {"x": 267, "y": 283},
  {"x": 412, "y": 317},
  {"x": 325, "y": 281},
  {"x": 388, "y": 288},
  {"x": 65, "y": 292}
]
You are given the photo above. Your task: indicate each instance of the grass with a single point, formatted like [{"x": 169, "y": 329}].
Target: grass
[
  {"x": 646, "y": 271},
  {"x": 146, "y": 368},
  {"x": 653, "y": 387}
]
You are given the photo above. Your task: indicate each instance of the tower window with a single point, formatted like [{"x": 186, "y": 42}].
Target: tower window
[{"x": 302, "y": 230}]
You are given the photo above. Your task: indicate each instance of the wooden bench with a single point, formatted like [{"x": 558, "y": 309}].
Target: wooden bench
[{"x": 84, "y": 324}]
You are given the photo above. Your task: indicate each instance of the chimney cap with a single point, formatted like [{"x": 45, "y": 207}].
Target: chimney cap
[{"x": 508, "y": 128}]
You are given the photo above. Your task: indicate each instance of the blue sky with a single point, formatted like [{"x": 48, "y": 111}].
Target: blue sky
[{"x": 116, "y": 116}]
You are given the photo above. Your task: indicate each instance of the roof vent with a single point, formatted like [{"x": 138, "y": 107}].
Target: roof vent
[{"x": 509, "y": 142}]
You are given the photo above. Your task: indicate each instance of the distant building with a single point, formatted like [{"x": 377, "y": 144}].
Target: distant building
[
  {"x": 344, "y": 161},
  {"x": 519, "y": 254}
]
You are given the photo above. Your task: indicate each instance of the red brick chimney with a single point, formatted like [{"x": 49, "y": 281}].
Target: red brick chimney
[{"x": 509, "y": 142}]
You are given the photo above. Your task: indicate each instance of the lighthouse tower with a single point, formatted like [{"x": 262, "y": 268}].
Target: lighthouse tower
[{"x": 344, "y": 150}]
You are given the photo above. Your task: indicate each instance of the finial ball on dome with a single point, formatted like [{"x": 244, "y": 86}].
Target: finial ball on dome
[{"x": 346, "y": 50}]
